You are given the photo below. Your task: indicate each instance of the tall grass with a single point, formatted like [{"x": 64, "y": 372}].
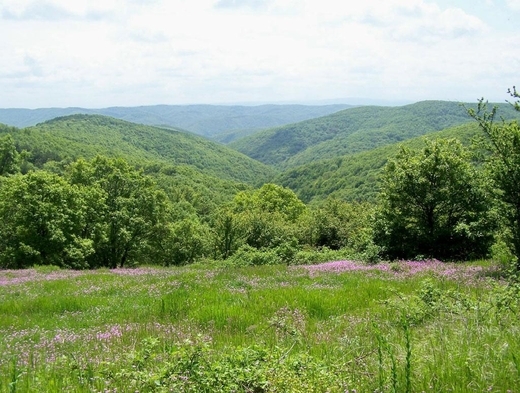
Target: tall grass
[{"x": 269, "y": 328}]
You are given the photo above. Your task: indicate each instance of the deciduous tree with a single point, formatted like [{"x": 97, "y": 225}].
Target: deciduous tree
[
  {"x": 270, "y": 198},
  {"x": 43, "y": 219},
  {"x": 9, "y": 157},
  {"x": 133, "y": 207},
  {"x": 432, "y": 204},
  {"x": 268, "y": 216},
  {"x": 502, "y": 141}
]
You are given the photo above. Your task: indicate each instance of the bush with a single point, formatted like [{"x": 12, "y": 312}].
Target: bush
[
  {"x": 308, "y": 257},
  {"x": 249, "y": 256}
]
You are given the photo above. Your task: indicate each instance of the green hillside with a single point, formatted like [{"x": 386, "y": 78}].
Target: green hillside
[
  {"x": 352, "y": 130},
  {"x": 354, "y": 177},
  {"x": 77, "y": 136},
  {"x": 207, "y": 120},
  {"x": 230, "y": 136},
  {"x": 189, "y": 167}
]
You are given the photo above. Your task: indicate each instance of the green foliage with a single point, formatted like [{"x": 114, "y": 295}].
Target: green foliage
[
  {"x": 270, "y": 198},
  {"x": 101, "y": 213},
  {"x": 271, "y": 220},
  {"x": 228, "y": 234},
  {"x": 230, "y": 136},
  {"x": 502, "y": 254},
  {"x": 85, "y": 136},
  {"x": 187, "y": 186},
  {"x": 180, "y": 242},
  {"x": 9, "y": 156},
  {"x": 188, "y": 167},
  {"x": 502, "y": 141},
  {"x": 350, "y": 131},
  {"x": 356, "y": 177},
  {"x": 208, "y": 210},
  {"x": 266, "y": 218},
  {"x": 195, "y": 367},
  {"x": 338, "y": 224},
  {"x": 250, "y": 256},
  {"x": 265, "y": 230},
  {"x": 433, "y": 204},
  {"x": 44, "y": 222},
  {"x": 132, "y": 208}
]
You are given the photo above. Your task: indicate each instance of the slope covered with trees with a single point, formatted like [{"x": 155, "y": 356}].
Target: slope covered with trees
[
  {"x": 411, "y": 322},
  {"x": 352, "y": 130},
  {"x": 75, "y": 136},
  {"x": 355, "y": 177}
]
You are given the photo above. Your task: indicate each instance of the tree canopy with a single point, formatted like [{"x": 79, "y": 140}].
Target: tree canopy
[
  {"x": 502, "y": 142},
  {"x": 43, "y": 222},
  {"x": 9, "y": 156},
  {"x": 433, "y": 204}
]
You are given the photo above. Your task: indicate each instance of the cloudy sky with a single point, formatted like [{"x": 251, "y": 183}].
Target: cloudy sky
[{"x": 99, "y": 53}]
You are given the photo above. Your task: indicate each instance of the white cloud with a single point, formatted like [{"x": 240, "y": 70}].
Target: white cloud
[
  {"x": 514, "y": 4},
  {"x": 242, "y": 3},
  {"x": 115, "y": 52},
  {"x": 56, "y": 10}
]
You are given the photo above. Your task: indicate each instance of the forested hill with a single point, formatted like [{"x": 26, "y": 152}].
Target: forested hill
[
  {"x": 207, "y": 120},
  {"x": 71, "y": 137},
  {"x": 354, "y": 177},
  {"x": 353, "y": 130}
]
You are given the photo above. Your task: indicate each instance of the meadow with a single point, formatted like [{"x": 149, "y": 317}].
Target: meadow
[{"x": 409, "y": 326}]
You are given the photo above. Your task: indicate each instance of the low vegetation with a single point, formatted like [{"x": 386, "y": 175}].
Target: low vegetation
[{"x": 336, "y": 327}]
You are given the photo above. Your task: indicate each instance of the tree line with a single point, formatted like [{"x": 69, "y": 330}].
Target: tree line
[
  {"x": 443, "y": 201},
  {"x": 106, "y": 213}
]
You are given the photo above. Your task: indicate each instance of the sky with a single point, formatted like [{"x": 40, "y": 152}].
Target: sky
[{"x": 101, "y": 53}]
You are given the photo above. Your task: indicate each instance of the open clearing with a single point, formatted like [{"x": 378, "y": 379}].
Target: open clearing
[{"x": 338, "y": 327}]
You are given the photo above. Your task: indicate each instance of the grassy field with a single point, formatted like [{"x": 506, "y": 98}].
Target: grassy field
[{"x": 336, "y": 327}]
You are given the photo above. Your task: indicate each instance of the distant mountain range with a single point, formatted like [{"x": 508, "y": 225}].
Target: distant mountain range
[{"x": 206, "y": 120}]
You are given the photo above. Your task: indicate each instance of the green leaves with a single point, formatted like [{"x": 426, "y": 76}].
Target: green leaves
[
  {"x": 350, "y": 131},
  {"x": 269, "y": 216},
  {"x": 502, "y": 141},
  {"x": 43, "y": 218},
  {"x": 432, "y": 204},
  {"x": 181, "y": 242},
  {"x": 104, "y": 213},
  {"x": 132, "y": 208},
  {"x": 270, "y": 198},
  {"x": 9, "y": 157}
]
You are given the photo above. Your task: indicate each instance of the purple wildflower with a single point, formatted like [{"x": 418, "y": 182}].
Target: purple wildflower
[{"x": 401, "y": 268}]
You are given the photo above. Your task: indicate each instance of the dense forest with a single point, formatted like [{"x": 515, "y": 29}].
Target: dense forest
[
  {"x": 356, "y": 176},
  {"x": 432, "y": 179},
  {"x": 353, "y": 130}
]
